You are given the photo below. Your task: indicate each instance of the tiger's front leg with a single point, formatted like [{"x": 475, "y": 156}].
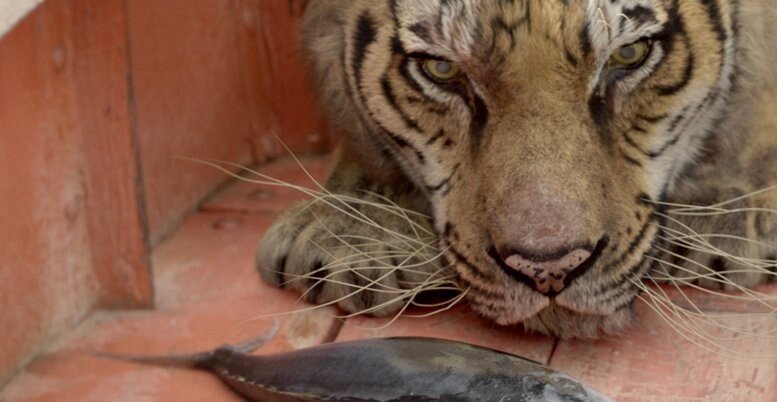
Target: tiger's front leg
[{"x": 365, "y": 245}]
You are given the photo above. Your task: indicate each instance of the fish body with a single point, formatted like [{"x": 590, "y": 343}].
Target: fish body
[{"x": 393, "y": 369}]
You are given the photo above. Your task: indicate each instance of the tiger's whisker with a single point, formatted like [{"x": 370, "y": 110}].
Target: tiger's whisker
[
  {"x": 717, "y": 236},
  {"x": 685, "y": 326},
  {"x": 720, "y": 279},
  {"x": 698, "y": 314},
  {"x": 718, "y": 206},
  {"x": 710, "y": 249},
  {"x": 318, "y": 196}
]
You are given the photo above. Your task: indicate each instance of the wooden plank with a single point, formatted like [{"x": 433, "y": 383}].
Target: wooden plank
[
  {"x": 208, "y": 293},
  {"x": 277, "y": 77},
  {"x": 72, "y": 230},
  {"x": 46, "y": 281},
  {"x": 215, "y": 80},
  {"x": 190, "y": 101},
  {"x": 241, "y": 196},
  {"x": 110, "y": 168},
  {"x": 72, "y": 233},
  {"x": 653, "y": 362}
]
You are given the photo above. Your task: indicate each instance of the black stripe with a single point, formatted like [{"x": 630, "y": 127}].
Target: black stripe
[
  {"x": 632, "y": 246},
  {"x": 422, "y": 32},
  {"x": 630, "y": 160},
  {"x": 652, "y": 119},
  {"x": 365, "y": 35},
  {"x": 585, "y": 40},
  {"x": 446, "y": 182},
  {"x": 440, "y": 134},
  {"x": 713, "y": 10},
  {"x": 640, "y": 14},
  {"x": 479, "y": 117},
  {"x": 630, "y": 141},
  {"x": 597, "y": 106},
  {"x": 461, "y": 259},
  {"x": 672, "y": 127},
  {"x": 685, "y": 79},
  {"x": 526, "y": 20},
  {"x": 449, "y": 233},
  {"x": 639, "y": 129},
  {"x": 571, "y": 58},
  {"x": 623, "y": 289},
  {"x": 388, "y": 92},
  {"x": 673, "y": 29},
  {"x": 498, "y": 24},
  {"x": 397, "y": 48},
  {"x": 404, "y": 70},
  {"x": 402, "y": 143}
]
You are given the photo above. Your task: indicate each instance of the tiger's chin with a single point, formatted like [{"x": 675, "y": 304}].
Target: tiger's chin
[
  {"x": 564, "y": 323},
  {"x": 561, "y": 322},
  {"x": 536, "y": 313}
]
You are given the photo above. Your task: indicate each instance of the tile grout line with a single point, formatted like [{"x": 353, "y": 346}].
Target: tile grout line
[
  {"x": 334, "y": 330},
  {"x": 556, "y": 343}
]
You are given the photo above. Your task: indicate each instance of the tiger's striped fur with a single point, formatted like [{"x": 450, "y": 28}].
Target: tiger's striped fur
[{"x": 541, "y": 108}]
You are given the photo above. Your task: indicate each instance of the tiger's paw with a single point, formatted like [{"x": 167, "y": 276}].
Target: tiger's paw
[{"x": 359, "y": 253}]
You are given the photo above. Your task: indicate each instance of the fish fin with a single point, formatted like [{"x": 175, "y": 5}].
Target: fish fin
[{"x": 256, "y": 343}]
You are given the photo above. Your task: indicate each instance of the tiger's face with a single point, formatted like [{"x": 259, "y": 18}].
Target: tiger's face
[{"x": 540, "y": 131}]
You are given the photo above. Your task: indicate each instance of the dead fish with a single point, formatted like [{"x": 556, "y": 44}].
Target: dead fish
[{"x": 389, "y": 369}]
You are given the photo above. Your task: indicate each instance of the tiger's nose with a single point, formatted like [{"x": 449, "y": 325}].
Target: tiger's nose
[
  {"x": 549, "y": 275},
  {"x": 546, "y": 236}
]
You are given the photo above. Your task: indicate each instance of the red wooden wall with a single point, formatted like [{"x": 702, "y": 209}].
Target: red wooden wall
[
  {"x": 96, "y": 98},
  {"x": 214, "y": 79}
]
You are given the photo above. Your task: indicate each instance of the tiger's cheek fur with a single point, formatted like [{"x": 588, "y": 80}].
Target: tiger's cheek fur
[
  {"x": 420, "y": 129},
  {"x": 664, "y": 122}
]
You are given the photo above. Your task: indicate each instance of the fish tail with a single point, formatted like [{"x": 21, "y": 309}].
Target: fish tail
[{"x": 195, "y": 360}]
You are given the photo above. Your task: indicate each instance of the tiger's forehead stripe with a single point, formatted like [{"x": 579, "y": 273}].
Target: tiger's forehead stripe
[
  {"x": 613, "y": 22},
  {"x": 462, "y": 29}
]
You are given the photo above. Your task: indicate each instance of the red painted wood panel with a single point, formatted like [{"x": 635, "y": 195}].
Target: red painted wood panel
[
  {"x": 652, "y": 361},
  {"x": 95, "y": 99},
  {"x": 214, "y": 79},
  {"x": 189, "y": 99},
  {"x": 71, "y": 234},
  {"x": 110, "y": 169},
  {"x": 278, "y": 78},
  {"x": 209, "y": 293}
]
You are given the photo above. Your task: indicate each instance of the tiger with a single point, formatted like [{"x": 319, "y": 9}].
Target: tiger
[{"x": 545, "y": 141}]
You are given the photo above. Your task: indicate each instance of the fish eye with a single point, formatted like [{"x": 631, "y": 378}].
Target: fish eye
[
  {"x": 442, "y": 71},
  {"x": 631, "y": 56}
]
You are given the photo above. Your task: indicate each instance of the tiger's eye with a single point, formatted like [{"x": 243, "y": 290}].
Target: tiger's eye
[
  {"x": 442, "y": 70},
  {"x": 631, "y": 56}
]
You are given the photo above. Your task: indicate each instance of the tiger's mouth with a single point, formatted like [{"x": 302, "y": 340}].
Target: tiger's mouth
[{"x": 595, "y": 296}]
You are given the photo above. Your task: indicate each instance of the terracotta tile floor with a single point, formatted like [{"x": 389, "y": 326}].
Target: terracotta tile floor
[{"x": 207, "y": 292}]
